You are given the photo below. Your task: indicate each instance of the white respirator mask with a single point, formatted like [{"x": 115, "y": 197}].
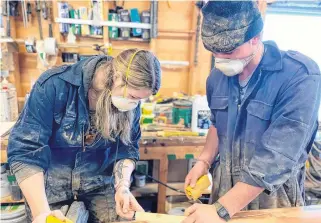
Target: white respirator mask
[
  {"x": 124, "y": 104},
  {"x": 232, "y": 67}
]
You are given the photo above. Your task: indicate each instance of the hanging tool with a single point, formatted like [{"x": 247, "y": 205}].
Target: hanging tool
[
  {"x": 24, "y": 13},
  {"x": 199, "y": 5},
  {"x": 4, "y": 9},
  {"x": 29, "y": 11},
  {"x": 14, "y": 8},
  {"x": 49, "y": 8},
  {"x": 38, "y": 9},
  {"x": 8, "y": 19},
  {"x": 120, "y": 5},
  {"x": 44, "y": 10}
]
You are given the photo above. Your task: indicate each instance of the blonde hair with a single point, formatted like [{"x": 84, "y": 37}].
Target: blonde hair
[{"x": 144, "y": 73}]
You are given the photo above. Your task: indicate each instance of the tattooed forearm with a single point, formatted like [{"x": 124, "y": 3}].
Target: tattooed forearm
[
  {"x": 123, "y": 170},
  {"x": 119, "y": 169}
]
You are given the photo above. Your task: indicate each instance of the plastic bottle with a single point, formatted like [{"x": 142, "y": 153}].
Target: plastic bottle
[
  {"x": 6, "y": 86},
  {"x": 16, "y": 193},
  {"x": 201, "y": 115}
]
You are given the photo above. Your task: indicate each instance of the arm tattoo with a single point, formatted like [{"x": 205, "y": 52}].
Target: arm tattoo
[{"x": 119, "y": 170}]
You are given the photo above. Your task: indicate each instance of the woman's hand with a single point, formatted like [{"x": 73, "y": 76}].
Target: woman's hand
[
  {"x": 126, "y": 204},
  {"x": 41, "y": 218}
]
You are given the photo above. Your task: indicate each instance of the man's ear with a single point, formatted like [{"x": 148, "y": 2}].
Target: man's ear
[{"x": 256, "y": 40}]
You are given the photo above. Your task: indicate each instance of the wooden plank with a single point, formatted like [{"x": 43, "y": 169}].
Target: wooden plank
[
  {"x": 309, "y": 214},
  {"x": 149, "y": 151},
  {"x": 158, "y": 218}
]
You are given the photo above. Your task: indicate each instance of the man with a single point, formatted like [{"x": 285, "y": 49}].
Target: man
[{"x": 264, "y": 105}]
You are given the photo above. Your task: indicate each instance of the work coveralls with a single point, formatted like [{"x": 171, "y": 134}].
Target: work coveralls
[
  {"x": 49, "y": 136},
  {"x": 265, "y": 137}
]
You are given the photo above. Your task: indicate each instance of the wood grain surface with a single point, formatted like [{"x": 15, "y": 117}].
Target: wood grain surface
[{"x": 308, "y": 214}]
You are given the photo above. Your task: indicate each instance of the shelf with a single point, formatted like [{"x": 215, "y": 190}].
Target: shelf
[
  {"x": 152, "y": 188},
  {"x": 104, "y": 23},
  {"x": 8, "y": 200},
  {"x": 130, "y": 40},
  {"x": 6, "y": 40},
  {"x": 174, "y": 63}
]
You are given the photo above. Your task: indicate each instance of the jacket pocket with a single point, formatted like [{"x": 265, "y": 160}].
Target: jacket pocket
[
  {"x": 258, "y": 120},
  {"x": 219, "y": 108},
  {"x": 259, "y": 109}
]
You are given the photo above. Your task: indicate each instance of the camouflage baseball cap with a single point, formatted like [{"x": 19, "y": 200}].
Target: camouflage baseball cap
[{"x": 228, "y": 24}]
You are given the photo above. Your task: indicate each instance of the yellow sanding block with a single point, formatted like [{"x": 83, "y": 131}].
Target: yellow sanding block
[
  {"x": 201, "y": 185},
  {"x": 53, "y": 219}
]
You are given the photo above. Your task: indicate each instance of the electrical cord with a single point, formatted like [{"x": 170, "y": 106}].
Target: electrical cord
[{"x": 161, "y": 183}]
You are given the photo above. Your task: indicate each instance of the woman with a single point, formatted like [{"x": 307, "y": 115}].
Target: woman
[{"x": 77, "y": 137}]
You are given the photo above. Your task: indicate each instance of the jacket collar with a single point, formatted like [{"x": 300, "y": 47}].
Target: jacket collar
[
  {"x": 82, "y": 70},
  {"x": 272, "y": 59}
]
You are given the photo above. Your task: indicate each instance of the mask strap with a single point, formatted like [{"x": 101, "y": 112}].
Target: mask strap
[
  {"x": 109, "y": 91},
  {"x": 127, "y": 72}
]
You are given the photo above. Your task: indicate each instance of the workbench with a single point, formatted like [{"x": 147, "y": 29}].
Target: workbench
[
  {"x": 155, "y": 148},
  {"x": 308, "y": 214}
]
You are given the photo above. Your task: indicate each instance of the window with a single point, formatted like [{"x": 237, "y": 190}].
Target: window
[{"x": 300, "y": 32}]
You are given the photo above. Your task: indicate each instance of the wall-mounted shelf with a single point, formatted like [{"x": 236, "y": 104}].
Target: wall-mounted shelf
[
  {"x": 104, "y": 23},
  {"x": 130, "y": 40},
  {"x": 174, "y": 63},
  {"x": 6, "y": 40}
]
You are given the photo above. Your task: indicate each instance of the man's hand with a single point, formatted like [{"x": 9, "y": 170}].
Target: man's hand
[
  {"x": 196, "y": 172},
  {"x": 126, "y": 204},
  {"x": 202, "y": 213}
]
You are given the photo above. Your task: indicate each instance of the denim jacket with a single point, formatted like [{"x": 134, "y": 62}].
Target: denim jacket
[
  {"x": 264, "y": 139},
  {"x": 49, "y": 134}
]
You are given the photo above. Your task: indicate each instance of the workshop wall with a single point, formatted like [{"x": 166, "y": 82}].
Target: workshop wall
[{"x": 176, "y": 41}]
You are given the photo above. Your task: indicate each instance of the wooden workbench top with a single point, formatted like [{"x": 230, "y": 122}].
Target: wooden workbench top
[
  {"x": 308, "y": 214},
  {"x": 149, "y": 139}
]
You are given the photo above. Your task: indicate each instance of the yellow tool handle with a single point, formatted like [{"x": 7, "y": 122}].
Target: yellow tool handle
[
  {"x": 201, "y": 185},
  {"x": 177, "y": 133},
  {"x": 53, "y": 219}
]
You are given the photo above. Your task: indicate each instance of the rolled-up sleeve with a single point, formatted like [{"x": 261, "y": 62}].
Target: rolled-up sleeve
[
  {"x": 28, "y": 141},
  {"x": 23, "y": 171},
  {"x": 277, "y": 155}
]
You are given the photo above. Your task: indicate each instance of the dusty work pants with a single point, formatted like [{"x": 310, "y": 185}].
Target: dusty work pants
[{"x": 100, "y": 203}]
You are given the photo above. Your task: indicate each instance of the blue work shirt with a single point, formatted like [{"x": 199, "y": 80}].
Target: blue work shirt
[
  {"x": 50, "y": 131},
  {"x": 264, "y": 139}
]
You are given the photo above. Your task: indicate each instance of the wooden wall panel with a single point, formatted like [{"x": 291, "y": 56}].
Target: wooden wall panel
[{"x": 175, "y": 42}]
